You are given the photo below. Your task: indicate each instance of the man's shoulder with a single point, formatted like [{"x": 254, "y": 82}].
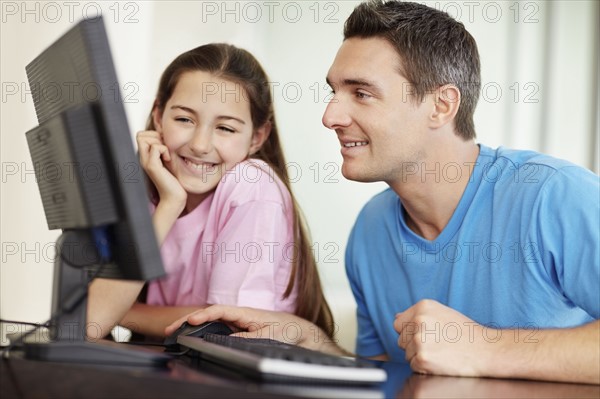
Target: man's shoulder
[
  {"x": 529, "y": 158},
  {"x": 525, "y": 166}
]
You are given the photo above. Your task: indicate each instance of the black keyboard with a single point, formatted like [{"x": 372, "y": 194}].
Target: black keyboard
[
  {"x": 269, "y": 348},
  {"x": 271, "y": 360}
]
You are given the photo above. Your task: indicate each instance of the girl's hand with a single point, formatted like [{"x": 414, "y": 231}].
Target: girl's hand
[
  {"x": 258, "y": 323},
  {"x": 153, "y": 157}
]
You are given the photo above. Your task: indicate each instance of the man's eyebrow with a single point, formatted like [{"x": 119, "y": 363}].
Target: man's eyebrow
[
  {"x": 356, "y": 82},
  {"x": 193, "y": 112}
]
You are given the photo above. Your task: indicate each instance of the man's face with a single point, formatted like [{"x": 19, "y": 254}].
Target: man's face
[{"x": 381, "y": 128}]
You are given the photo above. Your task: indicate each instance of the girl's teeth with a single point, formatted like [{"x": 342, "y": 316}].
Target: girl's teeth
[{"x": 198, "y": 165}]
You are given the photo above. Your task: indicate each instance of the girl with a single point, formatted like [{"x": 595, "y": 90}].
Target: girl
[{"x": 229, "y": 228}]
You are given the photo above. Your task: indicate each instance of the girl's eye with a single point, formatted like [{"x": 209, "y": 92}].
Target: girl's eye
[
  {"x": 183, "y": 119},
  {"x": 226, "y": 129}
]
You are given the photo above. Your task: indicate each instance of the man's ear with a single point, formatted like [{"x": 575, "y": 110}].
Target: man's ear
[
  {"x": 446, "y": 104},
  {"x": 259, "y": 137}
]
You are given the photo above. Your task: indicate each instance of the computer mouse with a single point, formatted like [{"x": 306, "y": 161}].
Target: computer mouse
[{"x": 210, "y": 327}]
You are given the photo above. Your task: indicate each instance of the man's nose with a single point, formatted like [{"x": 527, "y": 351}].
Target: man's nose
[{"x": 336, "y": 115}]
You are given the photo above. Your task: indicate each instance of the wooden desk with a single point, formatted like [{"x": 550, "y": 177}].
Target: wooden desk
[
  {"x": 404, "y": 384},
  {"x": 20, "y": 378}
]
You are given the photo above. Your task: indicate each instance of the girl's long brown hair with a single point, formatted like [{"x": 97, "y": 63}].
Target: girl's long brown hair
[{"x": 239, "y": 66}]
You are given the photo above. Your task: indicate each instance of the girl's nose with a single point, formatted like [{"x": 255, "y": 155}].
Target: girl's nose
[{"x": 201, "y": 142}]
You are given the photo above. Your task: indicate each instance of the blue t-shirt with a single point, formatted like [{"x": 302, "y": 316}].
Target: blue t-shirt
[{"x": 522, "y": 250}]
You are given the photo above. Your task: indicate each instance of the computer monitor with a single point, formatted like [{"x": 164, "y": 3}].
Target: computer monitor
[{"x": 91, "y": 184}]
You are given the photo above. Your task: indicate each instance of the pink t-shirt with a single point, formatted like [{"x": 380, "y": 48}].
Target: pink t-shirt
[{"x": 235, "y": 248}]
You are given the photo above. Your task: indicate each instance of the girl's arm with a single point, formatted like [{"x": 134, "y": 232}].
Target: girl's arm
[
  {"x": 112, "y": 302},
  {"x": 259, "y": 323},
  {"x": 172, "y": 196},
  {"x": 152, "y": 320},
  {"x": 109, "y": 301},
  {"x": 163, "y": 219},
  {"x": 119, "y": 297}
]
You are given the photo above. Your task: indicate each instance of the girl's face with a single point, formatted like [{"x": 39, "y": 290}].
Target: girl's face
[{"x": 207, "y": 128}]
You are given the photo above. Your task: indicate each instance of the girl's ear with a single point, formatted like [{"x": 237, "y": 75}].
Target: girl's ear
[
  {"x": 259, "y": 137},
  {"x": 157, "y": 118}
]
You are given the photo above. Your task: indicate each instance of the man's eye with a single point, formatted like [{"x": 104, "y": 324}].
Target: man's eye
[{"x": 362, "y": 95}]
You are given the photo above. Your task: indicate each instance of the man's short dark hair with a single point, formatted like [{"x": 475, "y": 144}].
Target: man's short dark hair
[{"x": 434, "y": 50}]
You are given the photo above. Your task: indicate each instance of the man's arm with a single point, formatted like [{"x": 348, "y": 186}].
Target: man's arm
[
  {"x": 568, "y": 354},
  {"x": 440, "y": 340}
]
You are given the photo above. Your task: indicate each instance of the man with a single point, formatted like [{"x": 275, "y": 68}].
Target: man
[{"x": 475, "y": 262}]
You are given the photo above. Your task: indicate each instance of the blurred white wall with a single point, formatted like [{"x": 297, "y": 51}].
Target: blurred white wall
[{"x": 540, "y": 91}]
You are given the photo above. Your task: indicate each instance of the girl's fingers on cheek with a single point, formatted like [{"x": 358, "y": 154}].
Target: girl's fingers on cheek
[{"x": 166, "y": 155}]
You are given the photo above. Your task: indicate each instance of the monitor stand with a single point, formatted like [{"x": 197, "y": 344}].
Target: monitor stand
[{"x": 76, "y": 259}]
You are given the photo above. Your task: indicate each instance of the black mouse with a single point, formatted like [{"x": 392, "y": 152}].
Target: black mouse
[{"x": 210, "y": 327}]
